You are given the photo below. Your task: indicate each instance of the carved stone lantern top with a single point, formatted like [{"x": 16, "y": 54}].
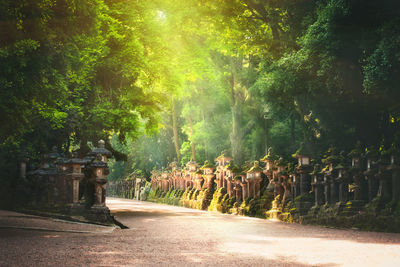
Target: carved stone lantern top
[
  {"x": 303, "y": 155},
  {"x": 255, "y": 171},
  {"x": 223, "y": 159},
  {"x": 192, "y": 166},
  {"x": 208, "y": 168},
  {"x": 100, "y": 149}
]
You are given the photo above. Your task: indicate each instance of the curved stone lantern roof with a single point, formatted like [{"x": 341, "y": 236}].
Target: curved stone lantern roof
[
  {"x": 208, "y": 165},
  {"x": 256, "y": 168},
  {"x": 100, "y": 150}
]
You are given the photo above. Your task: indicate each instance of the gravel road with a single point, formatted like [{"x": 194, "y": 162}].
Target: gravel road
[{"x": 161, "y": 235}]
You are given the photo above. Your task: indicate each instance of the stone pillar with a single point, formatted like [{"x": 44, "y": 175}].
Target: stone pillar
[
  {"x": 334, "y": 190},
  {"x": 238, "y": 192},
  {"x": 305, "y": 182},
  {"x": 245, "y": 192},
  {"x": 327, "y": 191},
  {"x": 395, "y": 172},
  {"x": 384, "y": 189},
  {"x": 257, "y": 185},
  {"x": 318, "y": 190},
  {"x": 99, "y": 180},
  {"x": 250, "y": 188},
  {"x": 373, "y": 184},
  {"x": 343, "y": 189}
]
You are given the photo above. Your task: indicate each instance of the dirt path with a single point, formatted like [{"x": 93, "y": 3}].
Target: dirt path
[{"x": 161, "y": 235}]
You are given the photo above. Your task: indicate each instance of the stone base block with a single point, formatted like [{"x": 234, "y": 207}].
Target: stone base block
[
  {"x": 313, "y": 212},
  {"x": 353, "y": 207},
  {"x": 77, "y": 209},
  {"x": 303, "y": 207},
  {"x": 100, "y": 214}
]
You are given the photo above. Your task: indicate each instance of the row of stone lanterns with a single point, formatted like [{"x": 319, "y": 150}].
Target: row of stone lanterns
[
  {"x": 335, "y": 184},
  {"x": 223, "y": 174},
  {"x": 73, "y": 183}
]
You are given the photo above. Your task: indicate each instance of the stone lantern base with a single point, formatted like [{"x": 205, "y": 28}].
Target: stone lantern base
[
  {"x": 353, "y": 207},
  {"x": 77, "y": 209},
  {"x": 313, "y": 212},
  {"x": 100, "y": 213}
]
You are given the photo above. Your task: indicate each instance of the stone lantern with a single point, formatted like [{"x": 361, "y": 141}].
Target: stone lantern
[
  {"x": 394, "y": 168},
  {"x": 370, "y": 173},
  {"x": 100, "y": 149},
  {"x": 223, "y": 160},
  {"x": 23, "y": 160},
  {"x": 269, "y": 166},
  {"x": 192, "y": 166},
  {"x": 384, "y": 177},
  {"x": 75, "y": 176},
  {"x": 199, "y": 180},
  {"x": 208, "y": 169},
  {"x": 99, "y": 172},
  {"x": 253, "y": 178},
  {"x": 277, "y": 174},
  {"x": 303, "y": 167},
  {"x": 330, "y": 184},
  {"x": 231, "y": 171},
  {"x": 50, "y": 174},
  {"x": 178, "y": 178},
  {"x": 238, "y": 188},
  {"x": 342, "y": 181},
  {"x": 318, "y": 185},
  {"x": 219, "y": 178},
  {"x": 303, "y": 160},
  {"x": 164, "y": 180},
  {"x": 173, "y": 165},
  {"x": 294, "y": 185},
  {"x": 356, "y": 175},
  {"x": 62, "y": 168}
]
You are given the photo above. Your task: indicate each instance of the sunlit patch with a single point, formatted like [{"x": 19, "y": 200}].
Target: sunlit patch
[{"x": 161, "y": 15}]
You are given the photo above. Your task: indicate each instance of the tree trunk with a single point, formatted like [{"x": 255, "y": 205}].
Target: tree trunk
[
  {"x": 191, "y": 139},
  {"x": 175, "y": 131},
  {"x": 237, "y": 131}
]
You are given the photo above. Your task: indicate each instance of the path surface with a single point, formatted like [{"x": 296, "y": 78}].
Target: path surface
[{"x": 162, "y": 235}]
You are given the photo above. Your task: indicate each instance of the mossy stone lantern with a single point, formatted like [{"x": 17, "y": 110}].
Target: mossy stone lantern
[
  {"x": 303, "y": 155},
  {"x": 373, "y": 184},
  {"x": 355, "y": 155},
  {"x": 231, "y": 171},
  {"x": 192, "y": 166},
  {"x": 394, "y": 168},
  {"x": 199, "y": 179},
  {"x": 100, "y": 149},
  {"x": 99, "y": 179},
  {"x": 342, "y": 181},
  {"x": 281, "y": 165},
  {"x": 356, "y": 174},
  {"x": 253, "y": 178},
  {"x": 269, "y": 160},
  {"x": 237, "y": 188},
  {"x": 208, "y": 169},
  {"x": 164, "y": 180},
  {"x": 317, "y": 184},
  {"x": 173, "y": 165},
  {"x": 223, "y": 159}
]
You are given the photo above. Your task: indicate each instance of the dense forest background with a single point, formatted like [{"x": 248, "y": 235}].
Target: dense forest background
[{"x": 164, "y": 80}]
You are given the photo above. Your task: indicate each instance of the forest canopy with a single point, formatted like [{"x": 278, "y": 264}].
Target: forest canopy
[{"x": 164, "y": 80}]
